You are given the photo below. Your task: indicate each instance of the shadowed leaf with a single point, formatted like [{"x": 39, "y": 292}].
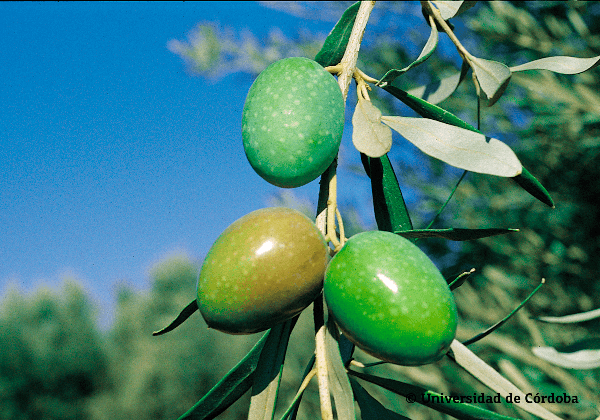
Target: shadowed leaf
[
  {"x": 436, "y": 92},
  {"x": 493, "y": 77},
  {"x": 455, "y": 234},
  {"x": 431, "y": 399},
  {"x": 229, "y": 389}
]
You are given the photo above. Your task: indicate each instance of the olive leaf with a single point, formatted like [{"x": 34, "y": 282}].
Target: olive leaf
[
  {"x": 458, "y": 147},
  {"x": 436, "y": 92},
  {"x": 183, "y": 315},
  {"x": 580, "y": 359},
  {"x": 230, "y": 388},
  {"x": 427, "y": 110},
  {"x": 267, "y": 376},
  {"x": 335, "y": 44},
  {"x": 455, "y": 234},
  {"x": 493, "y": 77},
  {"x": 460, "y": 279},
  {"x": 428, "y": 49},
  {"x": 503, "y": 320},
  {"x": 530, "y": 184},
  {"x": 560, "y": 64},
  {"x": 492, "y": 379},
  {"x": 338, "y": 378},
  {"x": 292, "y": 410},
  {"x": 369, "y": 135},
  {"x": 431, "y": 399},
  {"x": 391, "y": 214},
  {"x": 370, "y": 408},
  {"x": 450, "y": 9},
  {"x": 571, "y": 319}
]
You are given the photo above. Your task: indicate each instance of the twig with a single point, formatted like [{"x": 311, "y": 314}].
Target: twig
[{"x": 326, "y": 219}]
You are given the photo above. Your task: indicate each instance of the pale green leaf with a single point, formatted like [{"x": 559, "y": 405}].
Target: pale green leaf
[
  {"x": 493, "y": 77},
  {"x": 369, "y": 135},
  {"x": 571, "y": 319},
  {"x": 458, "y": 147},
  {"x": 582, "y": 359},
  {"x": 449, "y": 9},
  {"x": 560, "y": 64},
  {"x": 338, "y": 378},
  {"x": 496, "y": 382}
]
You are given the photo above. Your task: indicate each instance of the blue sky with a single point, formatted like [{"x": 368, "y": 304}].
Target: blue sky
[{"x": 112, "y": 155}]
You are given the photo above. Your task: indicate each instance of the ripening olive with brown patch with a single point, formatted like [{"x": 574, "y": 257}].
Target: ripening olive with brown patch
[
  {"x": 263, "y": 269},
  {"x": 389, "y": 298}
]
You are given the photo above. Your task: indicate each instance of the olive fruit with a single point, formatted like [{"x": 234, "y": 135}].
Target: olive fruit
[
  {"x": 390, "y": 300},
  {"x": 292, "y": 122},
  {"x": 263, "y": 269}
]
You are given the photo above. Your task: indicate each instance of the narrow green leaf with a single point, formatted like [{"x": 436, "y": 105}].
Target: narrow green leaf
[
  {"x": 428, "y": 49},
  {"x": 571, "y": 319},
  {"x": 338, "y": 378},
  {"x": 230, "y": 388},
  {"x": 370, "y": 408},
  {"x": 427, "y": 110},
  {"x": 390, "y": 209},
  {"x": 456, "y": 234},
  {"x": 442, "y": 403},
  {"x": 581, "y": 355},
  {"x": 460, "y": 280},
  {"x": 457, "y": 146},
  {"x": 436, "y": 92},
  {"x": 292, "y": 411},
  {"x": 335, "y": 44},
  {"x": 502, "y": 321},
  {"x": 447, "y": 200},
  {"x": 267, "y": 376},
  {"x": 183, "y": 315},
  {"x": 369, "y": 135},
  {"x": 560, "y": 64},
  {"x": 530, "y": 184},
  {"x": 346, "y": 349},
  {"x": 493, "y": 380},
  {"x": 493, "y": 77}
]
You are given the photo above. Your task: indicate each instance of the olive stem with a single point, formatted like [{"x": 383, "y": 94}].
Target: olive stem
[
  {"x": 326, "y": 219},
  {"x": 322, "y": 375},
  {"x": 350, "y": 57},
  {"x": 466, "y": 55}
]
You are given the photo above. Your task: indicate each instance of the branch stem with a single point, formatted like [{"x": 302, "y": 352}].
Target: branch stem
[{"x": 326, "y": 218}]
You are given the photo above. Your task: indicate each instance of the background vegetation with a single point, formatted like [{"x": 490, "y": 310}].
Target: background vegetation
[{"x": 56, "y": 364}]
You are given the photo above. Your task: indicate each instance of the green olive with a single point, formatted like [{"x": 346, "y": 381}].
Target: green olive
[
  {"x": 263, "y": 269},
  {"x": 390, "y": 300},
  {"x": 292, "y": 122}
]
